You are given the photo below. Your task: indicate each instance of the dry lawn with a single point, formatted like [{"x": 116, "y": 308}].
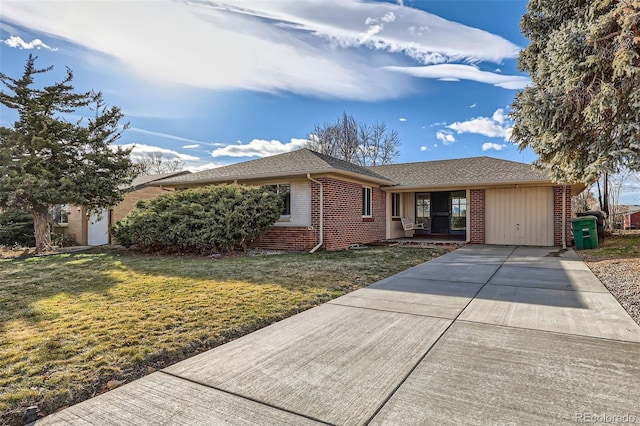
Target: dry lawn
[
  {"x": 75, "y": 325},
  {"x": 616, "y": 262}
]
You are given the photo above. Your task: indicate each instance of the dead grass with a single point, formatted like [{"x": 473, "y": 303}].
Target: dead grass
[
  {"x": 616, "y": 263},
  {"x": 74, "y": 325},
  {"x": 621, "y": 245}
]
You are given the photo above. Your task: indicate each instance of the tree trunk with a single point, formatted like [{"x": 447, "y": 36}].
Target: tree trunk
[
  {"x": 605, "y": 208},
  {"x": 42, "y": 230}
]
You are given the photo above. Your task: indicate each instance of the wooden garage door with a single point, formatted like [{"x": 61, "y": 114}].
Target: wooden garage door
[{"x": 519, "y": 216}]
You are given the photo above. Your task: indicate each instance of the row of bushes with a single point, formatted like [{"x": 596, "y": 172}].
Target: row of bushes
[{"x": 216, "y": 218}]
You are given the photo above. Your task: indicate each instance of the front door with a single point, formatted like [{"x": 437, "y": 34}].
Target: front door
[{"x": 440, "y": 213}]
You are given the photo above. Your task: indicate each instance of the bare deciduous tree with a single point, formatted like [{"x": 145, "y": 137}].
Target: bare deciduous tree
[
  {"x": 584, "y": 201},
  {"x": 616, "y": 184},
  {"x": 155, "y": 162},
  {"x": 358, "y": 143}
]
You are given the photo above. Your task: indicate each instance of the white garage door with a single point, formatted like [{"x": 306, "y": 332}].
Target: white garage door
[{"x": 519, "y": 216}]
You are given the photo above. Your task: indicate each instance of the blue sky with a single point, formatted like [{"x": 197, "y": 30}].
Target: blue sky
[{"x": 217, "y": 82}]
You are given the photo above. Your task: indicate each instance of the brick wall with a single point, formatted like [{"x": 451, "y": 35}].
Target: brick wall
[
  {"x": 76, "y": 227},
  {"x": 290, "y": 238},
  {"x": 476, "y": 216},
  {"x": 557, "y": 215},
  {"x": 343, "y": 221},
  {"x": 132, "y": 198}
]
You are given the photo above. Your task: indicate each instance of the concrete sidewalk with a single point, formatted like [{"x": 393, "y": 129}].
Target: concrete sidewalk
[{"x": 482, "y": 335}]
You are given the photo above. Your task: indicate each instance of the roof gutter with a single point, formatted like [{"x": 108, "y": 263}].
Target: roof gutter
[
  {"x": 321, "y": 226},
  {"x": 274, "y": 175}
]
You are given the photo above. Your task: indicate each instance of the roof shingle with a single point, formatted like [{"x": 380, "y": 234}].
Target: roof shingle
[
  {"x": 293, "y": 163},
  {"x": 460, "y": 172}
]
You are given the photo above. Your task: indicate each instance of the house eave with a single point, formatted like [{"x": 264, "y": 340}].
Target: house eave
[
  {"x": 274, "y": 175},
  {"x": 474, "y": 185}
]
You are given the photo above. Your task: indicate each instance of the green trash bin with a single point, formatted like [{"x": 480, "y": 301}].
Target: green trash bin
[{"x": 585, "y": 232}]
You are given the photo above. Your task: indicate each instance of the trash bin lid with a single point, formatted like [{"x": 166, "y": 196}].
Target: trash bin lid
[{"x": 584, "y": 219}]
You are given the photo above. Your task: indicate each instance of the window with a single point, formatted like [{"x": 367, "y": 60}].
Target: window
[
  {"x": 423, "y": 209},
  {"x": 395, "y": 204},
  {"x": 366, "y": 201},
  {"x": 283, "y": 189},
  {"x": 459, "y": 210},
  {"x": 60, "y": 214}
]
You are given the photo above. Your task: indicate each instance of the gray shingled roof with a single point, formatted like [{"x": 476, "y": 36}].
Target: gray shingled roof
[
  {"x": 293, "y": 163},
  {"x": 144, "y": 180},
  {"x": 460, "y": 172}
]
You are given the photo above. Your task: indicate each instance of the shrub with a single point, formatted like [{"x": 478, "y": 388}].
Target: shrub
[
  {"x": 16, "y": 227},
  {"x": 213, "y": 218}
]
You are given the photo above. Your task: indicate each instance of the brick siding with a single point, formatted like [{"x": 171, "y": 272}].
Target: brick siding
[
  {"x": 343, "y": 221},
  {"x": 557, "y": 215},
  {"x": 290, "y": 238},
  {"x": 476, "y": 216},
  {"x": 131, "y": 199}
]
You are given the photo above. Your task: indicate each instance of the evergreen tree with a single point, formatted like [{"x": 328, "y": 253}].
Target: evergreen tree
[
  {"x": 581, "y": 115},
  {"x": 46, "y": 159}
]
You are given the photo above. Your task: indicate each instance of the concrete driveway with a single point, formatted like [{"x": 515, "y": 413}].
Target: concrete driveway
[{"x": 482, "y": 335}]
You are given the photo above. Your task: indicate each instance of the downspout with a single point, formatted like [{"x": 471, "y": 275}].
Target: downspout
[
  {"x": 321, "y": 226},
  {"x": 564, "y": 217}
]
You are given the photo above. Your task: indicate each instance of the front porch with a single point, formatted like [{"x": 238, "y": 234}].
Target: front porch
[
  {"x": 441, "y": 214},
  {"x": 426, "y": 242}
]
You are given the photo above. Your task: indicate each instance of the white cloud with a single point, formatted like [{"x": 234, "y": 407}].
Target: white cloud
[
  {"x": 457, "y": 72},
  {"x": 140, "y": 151},
  {"x": 490, "y": 145},
  {"x": 259, "y": 148},
  {"x": 267, "y": 46},
  {"x": 493, "y": 127},
  {"x": 201, "y": 167},
  {"x": 193, "y": 146},
  {"x": 424, "y": 148},
  {"x": 162, "y": 135},
  {"x": 19, "y": 43},
  {"x": 402, "y": 119},
  {"x": 472, "y": 106},
  {"x": 445, "y": 137}
]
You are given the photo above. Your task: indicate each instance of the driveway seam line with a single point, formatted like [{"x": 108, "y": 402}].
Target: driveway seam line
[
  {"x": 550, "y": 332},
  {"x": 393, "y": 312},
  {"x": 248, "y": 398},
  {"x": 415, "y": 366},
  {"x": 546, "y": 288}
]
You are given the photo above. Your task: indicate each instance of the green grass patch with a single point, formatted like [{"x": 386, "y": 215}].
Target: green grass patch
[
  {"x": 71, "y": 323},
  {"x": 622, "y": 245}
]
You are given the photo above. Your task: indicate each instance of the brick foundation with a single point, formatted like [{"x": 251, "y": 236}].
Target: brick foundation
[{"x": 290, "y": 238}]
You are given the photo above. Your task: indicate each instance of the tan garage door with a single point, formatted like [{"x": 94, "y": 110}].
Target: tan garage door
[{"x": 519, "y": 216}]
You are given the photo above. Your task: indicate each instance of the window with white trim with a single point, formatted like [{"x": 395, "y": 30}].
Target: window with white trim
[
  {"x": 366, "y": 201},
  {"x": 60, "y": 214},
  {"x": 283, "y": 189},
  {"x": 395, "y": 204}
]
